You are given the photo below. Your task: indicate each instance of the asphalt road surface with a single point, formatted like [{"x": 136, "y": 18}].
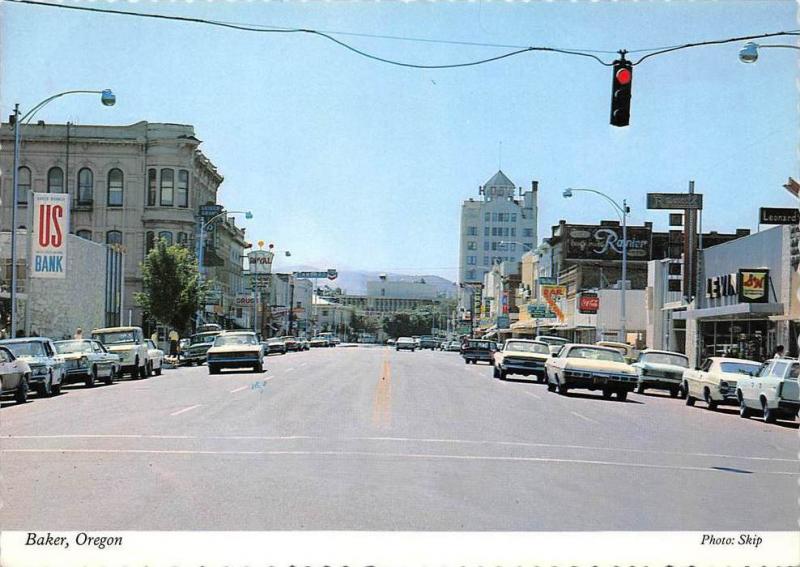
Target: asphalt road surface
[{"x": 372, "y": 439}]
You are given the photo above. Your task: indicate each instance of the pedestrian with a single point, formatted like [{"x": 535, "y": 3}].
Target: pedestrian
[
  {"x": 78, "y": 334},
  {"x": 779, "y": 352},
  {"x": 173, "y": 342}
]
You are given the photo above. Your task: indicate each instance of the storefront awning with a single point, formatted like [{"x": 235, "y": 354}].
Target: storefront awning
[{"x": 735, "y": 311}]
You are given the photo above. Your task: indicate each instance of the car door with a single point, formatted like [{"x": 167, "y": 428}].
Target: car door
[
  {"x": 753, "y": 386},
  {"x": 10, "y": 370},
  {"x": 101, "y": 359},
  {"x": 56, "y": 361}
]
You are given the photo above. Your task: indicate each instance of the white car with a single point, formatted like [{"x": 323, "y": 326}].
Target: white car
[
  {"x": 156, "y": 356},
  {"x": 553, "y": 343},
  {"x": 775, "y": 392},
  {"x": 590, "y": 367},
  {"x": 128, "y": 343},
  {"x": 47, "y": 366},
  {"x": 715, "y": 382},
  {"x": 236, "y": 349}
]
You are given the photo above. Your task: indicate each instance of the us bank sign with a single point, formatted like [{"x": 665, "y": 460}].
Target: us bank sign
[{"x": 50, "y": 229}]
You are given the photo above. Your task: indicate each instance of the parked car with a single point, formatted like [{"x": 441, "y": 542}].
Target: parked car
[
  {"x": 291, "y": 344},
  {"x": 304, "y": 344},
  {"x": 128, "y": 343},
  {"x": 521, "y": 356},
  {"x": 590, "y": 367},
  {"x": 46, "y": 365},
  {"x": 453, "y": 346},
  {"x": 275, "y": 344},
  {"x": 15, "y": 375},
  {"x": 629, "y": 353},
  {"x": 405, "y": 343},
  {"x": 428, "y": 341},
  {"x": 474, "y": 350},
  {"x": 553, "y": 343},
  {"x": 715, "y": 382},
  {"x": 775, "y": 391},
  {"x": 335, "y": 341},
  {"x": 156, "y": 357},
  {"x": 660, "y": 369},
  {"x": 236, "y": 349},
  {"x": 87, "y": 360},
  {"x": 416, "y": 341},
  {"x": 196, "y": 352},
  {"x": 390, "y": 342},
  {"x": 317, "y": 342}
]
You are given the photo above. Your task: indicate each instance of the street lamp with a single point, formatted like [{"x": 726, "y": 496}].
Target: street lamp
[
  {"x": 502, "y": 242},
  {"x": 749, "y": 53},
  {"x": 107, "y": 98},
  {"x": 201, "y": 248},
  {"x": 623, "y": 212}
]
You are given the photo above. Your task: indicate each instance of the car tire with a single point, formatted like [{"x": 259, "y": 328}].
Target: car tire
[
  {"x": 21, "y": 395},
  {"x": 91, "y": 378},
  {"x": 710, "y": 403},
  {"x": 563, "y": 389},
  {"x": 46, "y": 389},
  {"x": 496, "y": 373},
  {"x": 673, "y": 392},
  {"x": 770, "y": 415},
  {"x": 158, "y": 371},
  {"x": 640, "y": 389},
  {"x": 259, "y": 367},
  {"x": 502, "y": 374},
  {"x": 113, "y": 373},
  {"x": 622, "y": 395},
  {"x": 212, "y": 369},
  {"x": 744, "y": 411},
  {"x": 607, "y": 394},
  {"x": 144, "y": 371},
  {"x": 550, "y": 386},
  {"x": 135, "y": 369}
]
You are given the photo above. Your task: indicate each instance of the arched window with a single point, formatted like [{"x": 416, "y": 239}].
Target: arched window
[
  {"x": 182, "y": 239},
  {"x": 149, "y": 241},
  {"x": 182, "y": 196},
  {"x": 167, "y": 187},
  {"x": 85, "y": 186},
  {"x": 55, "y": 180},
  {"x": 151, "y": 188},
  {"x": 85, "y": 234},
  {"x": 23, "y": 185},
  {"x": 115, "y": 188},
  {"x": 114, "y": 237},
  {"x": 166, "y": 236}
]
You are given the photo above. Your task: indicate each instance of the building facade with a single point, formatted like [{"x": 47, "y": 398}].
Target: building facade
[
  {"x": 129, "y": 186},
  {"x": 498, "y": 227}
]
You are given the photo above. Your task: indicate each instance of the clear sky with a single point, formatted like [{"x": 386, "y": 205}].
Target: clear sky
[{"x": 352, "y": 163}]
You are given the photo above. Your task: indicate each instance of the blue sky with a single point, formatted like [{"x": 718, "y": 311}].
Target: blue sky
[{"x": 352, "y": 163}]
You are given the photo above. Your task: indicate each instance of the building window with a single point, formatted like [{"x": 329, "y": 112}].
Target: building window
[
  {"x": 115, "y": 188},
  {"x": 113, "y": 237},
  {"x": 166, "y": 236},
  {"x": 513, "y": 231},
  {"x": 486, "y": 244},
  {"x": 85, "y": 186},
  {"x": 494, "y": 245},
  {"x": 167, "y": 185},
  {"x": 151, "y": 188},
  {"x": 513, "y": 217},
  {"x": 23, "y": 185},
  {"x": 472, "y": 245},
  {"x": 486, "y": 260},
  {"x": 149, "y": 241},
  {"x": 527, "y": 232},
  {"x": 487, "y": 216},
  {"x": 85, "y": 234},
  {"x": 513, "y": 247},
  {"x": 183, "y": 240},
  {"x": 505, "y": 231},
  {"x": 55, "y": 180},
  {"x": 486, "y": 231},
  {"x": 528, "y": 244},
  {"x": 472, "y": 260},
  {"x": 470, "y": 274},
  {"x": 183, "y": 188},
  {"x": 472, "y": 231}
]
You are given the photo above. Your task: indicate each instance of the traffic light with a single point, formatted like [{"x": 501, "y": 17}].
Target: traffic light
[{"x": 621, "y": 93}]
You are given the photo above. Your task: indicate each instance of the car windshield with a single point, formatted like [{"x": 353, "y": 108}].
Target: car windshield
[
  {"x": 405, "y": 340},
  {"x": 116, "y": 338},
  {"x": 73, "y": 346},
  {"x": 519, "y": 346},
  {"x": 595, "y": 354},
  {"x": 664, "y": 358},
  {"x": 203, "y": 338},
  {"x": 228, "y": 340},
  {"x": 274, "y": 341},
  {"x": 740, "y": 367},
  {"x": 553, "y": 341},
  {"x": 33, "y": 348}
]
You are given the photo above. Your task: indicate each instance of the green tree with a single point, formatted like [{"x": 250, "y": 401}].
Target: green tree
[{"x": 172, "y": 290}]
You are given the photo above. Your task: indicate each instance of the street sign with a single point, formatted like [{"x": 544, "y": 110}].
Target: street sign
[
  {"x": 540, "y": 311},
  {"x": 771, "y": 215},
  {"x": 546, "y": 280},
  {"x": 330, "y": 274},
  {"x": 675, "y": 201},
  {"x": 208, "y": 211},
  {"x": 503, "y": 321}
]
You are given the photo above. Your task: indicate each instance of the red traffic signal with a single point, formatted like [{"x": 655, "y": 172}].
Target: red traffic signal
[{"x": 621, "y": 93}]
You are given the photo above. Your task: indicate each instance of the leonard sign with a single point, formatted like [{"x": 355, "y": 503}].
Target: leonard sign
[{"x": 50, "y": 228}]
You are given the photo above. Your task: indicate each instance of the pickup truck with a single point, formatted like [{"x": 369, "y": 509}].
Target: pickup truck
[
  {"x": 128, "y": 343},
  {"x": 775, "y": 391},
  {"x": 473, "y": 350},
  {"x": 716, "y": 381}
]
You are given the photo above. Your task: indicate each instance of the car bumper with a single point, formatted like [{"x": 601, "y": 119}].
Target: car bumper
[
  {"x": 233, "y": 362},
  {"x": 522, "y": 367},
  {"x": 600, "y": 382},
  {"x": 76, "y": 374},
  {"x": 481, "y": 357},
  {"x": 659, "y": 382},
  {"x": 789, "y": 406},
  {"x": 401, "y": 347}
]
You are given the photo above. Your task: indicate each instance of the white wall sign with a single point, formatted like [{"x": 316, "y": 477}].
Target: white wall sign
[
  {"x": 260, "y": 261},
  {"x": 50, "y": 229}
]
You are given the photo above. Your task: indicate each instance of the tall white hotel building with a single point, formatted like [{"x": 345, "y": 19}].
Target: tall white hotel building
[{"x": 500, "y": 225}]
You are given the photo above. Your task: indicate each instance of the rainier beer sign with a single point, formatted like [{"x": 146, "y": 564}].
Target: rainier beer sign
[{"x": 50, "y": 229}]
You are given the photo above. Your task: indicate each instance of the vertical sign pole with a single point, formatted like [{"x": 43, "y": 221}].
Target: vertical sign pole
[{"x": 15, "y": 197}]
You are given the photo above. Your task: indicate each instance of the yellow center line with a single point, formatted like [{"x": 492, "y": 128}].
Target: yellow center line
[{"x": 382, "y": 402}]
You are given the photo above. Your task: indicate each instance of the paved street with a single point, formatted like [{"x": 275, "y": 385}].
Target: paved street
[{"x": 372, "y": 439}]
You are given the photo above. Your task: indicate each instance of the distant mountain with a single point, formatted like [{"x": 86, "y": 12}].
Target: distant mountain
[{"x": 354, "y": 282}]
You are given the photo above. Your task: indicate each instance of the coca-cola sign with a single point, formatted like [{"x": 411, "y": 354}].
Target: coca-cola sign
[{"x": 605, "y": 243}]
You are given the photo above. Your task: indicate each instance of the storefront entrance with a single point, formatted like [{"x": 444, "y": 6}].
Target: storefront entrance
[{"x": 752, "y": 339}]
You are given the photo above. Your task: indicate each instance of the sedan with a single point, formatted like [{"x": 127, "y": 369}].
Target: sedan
[
  {"x": 87, "y": 360},
  {"x": 14, "y": 376}
]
